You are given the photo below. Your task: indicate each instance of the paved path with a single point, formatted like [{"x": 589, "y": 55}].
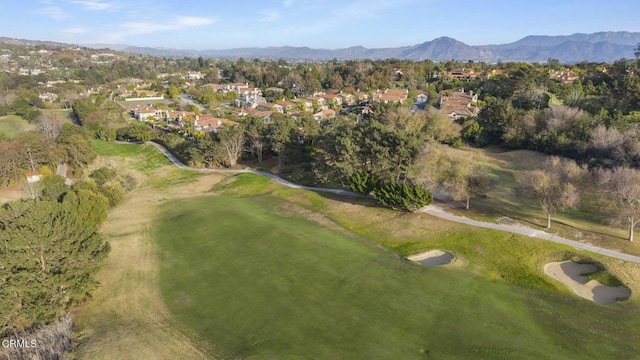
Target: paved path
[{"x": 432, "y": 209}]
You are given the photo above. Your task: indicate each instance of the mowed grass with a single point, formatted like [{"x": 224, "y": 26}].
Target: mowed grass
[
  {"x": 266, "y": 283},
  {"x": 11, "y": 125}
]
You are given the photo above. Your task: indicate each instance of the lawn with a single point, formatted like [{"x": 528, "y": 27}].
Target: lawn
[
  {"x": 11, "y": 125},
  {"x": 256, "y": 277}
]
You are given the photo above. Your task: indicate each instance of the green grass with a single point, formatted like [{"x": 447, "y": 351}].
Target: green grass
[
  {"x": 264, "y": 284},
  {"x": 11, "y": 125},
  {"x": 144, "y": 158},
  {"x": 105, "y": 148}
]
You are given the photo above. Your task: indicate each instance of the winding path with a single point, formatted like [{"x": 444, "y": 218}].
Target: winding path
[{"x": 432, "y": 209}]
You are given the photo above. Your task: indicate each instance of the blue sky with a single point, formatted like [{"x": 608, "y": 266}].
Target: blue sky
[{"x": 222, "y": 24}]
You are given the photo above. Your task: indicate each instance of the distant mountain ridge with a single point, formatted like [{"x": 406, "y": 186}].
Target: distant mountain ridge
[{"x": 596, "y": 47}]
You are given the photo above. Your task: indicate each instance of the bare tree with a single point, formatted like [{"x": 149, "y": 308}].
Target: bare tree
[
  {"x": 621, "y": 187},
  {"x": 556, "y": 186},
  {"x": 50, "y": 124}
]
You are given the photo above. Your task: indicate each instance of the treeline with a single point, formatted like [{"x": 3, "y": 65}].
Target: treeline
[
  {"x": 561, "y": 184},
  {"x": 594, "y": 120},
  {"x": 50, "y": 250},
  {"x": 53, "y": 144}
]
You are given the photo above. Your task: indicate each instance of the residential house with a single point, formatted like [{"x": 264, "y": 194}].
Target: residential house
[
  {"x": 264, "y": 115},
  {"x": 566, "y": 76},
  {"x": 461, "y": 74},
  {"x": 319, "y": 103},
  {"x": 348, "y": 99},
  {"x": 33, "y": 176},
  {"x": 271, "y": 107},
  {"x": 249, "y": 98},
  {"x": 422, "y": 97},
  {"x": 491, "y": 73},
  {"x": 146, "y": 112},
  {"x": 458, "y": 104},
  {"x": 324, "y": 114},
  {"x": 287, "y": 106},
  {"x": 209, "y": 123},
  {"x": 330, "y": 99},
  {"x": 303, "y": 104},
  {"x": 361, "y": 96},
  {"x": 391, "y": 96}
]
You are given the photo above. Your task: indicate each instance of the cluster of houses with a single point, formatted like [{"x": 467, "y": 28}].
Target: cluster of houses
[
  {"x": 456, "y": 104},
  {"x": 177, "y": 120}
]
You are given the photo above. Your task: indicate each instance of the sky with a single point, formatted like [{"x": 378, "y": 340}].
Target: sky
[{"x": 330, "y": 24}]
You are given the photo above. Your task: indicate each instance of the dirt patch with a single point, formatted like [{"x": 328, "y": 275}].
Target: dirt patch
[
  {"x": 573, "y": 275},
  {"x": 432, "y": 258}
]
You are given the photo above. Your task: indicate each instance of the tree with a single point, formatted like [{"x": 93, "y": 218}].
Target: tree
[
  {"x": 402, "y": 196},
  {"x": 231, "y": 140},
  {"x": 49, "y": 251},
  {"x": 49, "y": 124},
  {"x": 459, "y": 175},
  {"x": 254, "y": 133},
  {"x": 280, "y": 135},
  {"x": 621, "y": 187},
  {"x": 555, "y": 186},
  {"x": 75, "y": 145}
]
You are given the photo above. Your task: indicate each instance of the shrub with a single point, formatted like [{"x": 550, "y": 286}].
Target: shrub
[
  {"x": 113, "y": 193},
  {"x": 402, "y": 196},
  {"x": 103, "y": 175},
  {"x": 362, "y": 182}
]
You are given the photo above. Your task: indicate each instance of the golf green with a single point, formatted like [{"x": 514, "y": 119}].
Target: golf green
[{"x": 263, "y": 283}]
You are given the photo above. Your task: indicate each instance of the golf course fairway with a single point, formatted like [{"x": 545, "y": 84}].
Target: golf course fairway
[{"x": 256, "y": 279}]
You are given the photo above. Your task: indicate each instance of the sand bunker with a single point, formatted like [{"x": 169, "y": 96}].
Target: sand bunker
[
  {"x": 570, "y": 273},
  {"x": 432, "y": 258}
]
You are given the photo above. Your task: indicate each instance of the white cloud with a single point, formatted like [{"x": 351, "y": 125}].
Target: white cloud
[
  {"x": 188, "y": 21},
  {"x": 270, "y": 15},
  {"x": 74, "y": 30},
  {"x": 146, "y": 27},
  {"x": 93, "y": 4},
  {"x": 53, "y": 12}
]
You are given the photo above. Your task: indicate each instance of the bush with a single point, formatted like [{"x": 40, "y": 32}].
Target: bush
[
  {"x": 402, "y": 196},
  {"x": 103, "y": 175},
  {"x": 113, "y": 193},
  {"x": 362, "y": 182}
]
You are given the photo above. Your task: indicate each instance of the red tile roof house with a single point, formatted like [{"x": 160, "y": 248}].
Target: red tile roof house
[
  {"x": 324, "y": 114},
  {"x": 458, "y": 104},
  {"x": 144, "y": 113},
  {"x": 331, "y": 99},
  {"x": 264, "y": 115},
  {"x": 271, "y": 107},
  {"x": 33, "y": 176},
  {"x": 306, "y": 104},
  {"x": 391, "y": 95},
  {"x": 209, "y": 123},
  {"x": 287, "y": 106}
]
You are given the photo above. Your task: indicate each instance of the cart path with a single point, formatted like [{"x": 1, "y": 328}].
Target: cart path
[{"x": 433, "y": 210}]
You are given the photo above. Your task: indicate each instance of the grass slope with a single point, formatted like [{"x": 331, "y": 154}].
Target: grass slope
[
  {"x": 11, "y": 125},
  {"x": 264, "y": 283},
  {"x": 127, "y": 317}
]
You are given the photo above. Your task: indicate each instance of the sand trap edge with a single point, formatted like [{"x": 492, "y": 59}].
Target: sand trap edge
[
  {"x": 432, "y": 258},
  {"x": 569, "y": 273}
]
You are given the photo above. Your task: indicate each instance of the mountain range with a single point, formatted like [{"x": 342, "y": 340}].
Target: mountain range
[{"x": 596, "y": 47}]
